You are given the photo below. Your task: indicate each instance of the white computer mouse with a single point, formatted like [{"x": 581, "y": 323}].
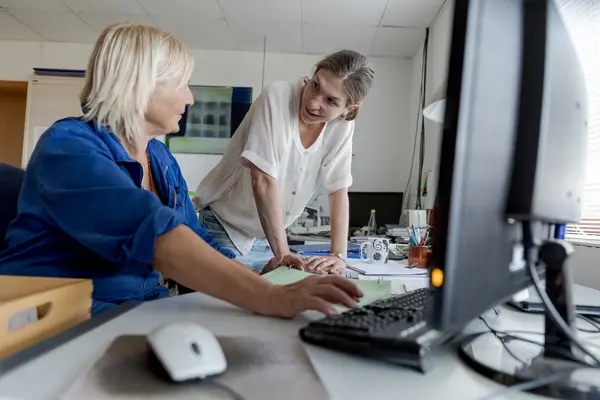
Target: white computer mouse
[{"x": 186, "y": 350}]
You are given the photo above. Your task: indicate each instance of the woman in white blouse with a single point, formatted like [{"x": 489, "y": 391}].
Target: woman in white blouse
[{"x": 295, "y": 137}]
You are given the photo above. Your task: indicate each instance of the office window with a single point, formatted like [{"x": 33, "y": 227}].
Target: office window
[{"x": 583, "y": 22}]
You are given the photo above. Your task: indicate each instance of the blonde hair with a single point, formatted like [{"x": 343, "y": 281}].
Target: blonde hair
[
  {"x": 356, "y": 72},
  {"x": 127, "y": 64}
]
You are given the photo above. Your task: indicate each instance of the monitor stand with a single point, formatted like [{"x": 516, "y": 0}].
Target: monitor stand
[{"x": 557, "y": 360}]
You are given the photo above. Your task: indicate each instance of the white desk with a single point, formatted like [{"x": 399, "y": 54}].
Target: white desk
[{"x": 344, "y": 376}]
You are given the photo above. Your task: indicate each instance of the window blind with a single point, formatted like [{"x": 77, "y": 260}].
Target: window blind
[{"x": 582, "y": 18}]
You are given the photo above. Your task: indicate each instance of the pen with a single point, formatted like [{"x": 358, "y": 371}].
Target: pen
[{"x": 415, "y": 235}]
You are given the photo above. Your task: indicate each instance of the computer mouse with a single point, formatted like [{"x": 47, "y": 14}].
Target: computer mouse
[{"x": 182, "y": 351}]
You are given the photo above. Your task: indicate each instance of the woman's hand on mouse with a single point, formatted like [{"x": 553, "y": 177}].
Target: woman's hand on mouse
[{"x": 313, "y": 293}]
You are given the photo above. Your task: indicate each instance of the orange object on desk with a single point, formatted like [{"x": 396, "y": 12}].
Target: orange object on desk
[{"x": 418, "y": 256}]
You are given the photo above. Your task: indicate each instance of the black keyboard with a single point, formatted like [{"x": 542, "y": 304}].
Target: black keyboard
[{"x": 394, "y": 329}]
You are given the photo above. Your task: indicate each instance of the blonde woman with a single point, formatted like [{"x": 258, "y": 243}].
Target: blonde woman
[
  {"x": 103, "y": 199},
  {"x": 296, "y": 136}
]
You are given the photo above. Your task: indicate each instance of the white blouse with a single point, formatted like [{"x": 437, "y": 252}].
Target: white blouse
[{"x": 269, "y": 138}]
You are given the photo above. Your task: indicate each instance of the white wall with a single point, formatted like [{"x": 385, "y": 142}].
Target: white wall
[
  {"x": 586, "y": 260},
  {"x": 437, "y": 65},
  {"x": 381, "y": 156}
]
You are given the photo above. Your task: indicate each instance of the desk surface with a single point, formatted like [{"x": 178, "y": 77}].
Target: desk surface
[{"x": 344, "y": 376}]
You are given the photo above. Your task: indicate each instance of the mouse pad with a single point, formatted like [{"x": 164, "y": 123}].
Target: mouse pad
[{"x": 273, "y": 368}]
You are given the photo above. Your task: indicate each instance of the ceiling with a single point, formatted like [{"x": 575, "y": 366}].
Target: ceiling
[{"x": 386, "y": 28}]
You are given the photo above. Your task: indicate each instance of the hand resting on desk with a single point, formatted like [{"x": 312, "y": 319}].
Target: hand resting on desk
[
  {"x": 289, "y": 260},
  {"x": 329, "y": 265},
  {"x": 319, "y": 265},
  {"x": 182, "y": 255}
]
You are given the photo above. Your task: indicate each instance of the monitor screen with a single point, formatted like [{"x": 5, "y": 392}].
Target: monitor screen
[{"x": 387, "y": 206}]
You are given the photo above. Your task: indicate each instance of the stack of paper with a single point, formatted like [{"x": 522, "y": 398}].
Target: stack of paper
[
  {"x": 397, "y": 231},
  {"x": 390, "y": 268},
  {"x": 372, "y": 290}
]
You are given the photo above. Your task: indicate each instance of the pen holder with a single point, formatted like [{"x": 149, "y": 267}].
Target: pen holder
[{"x": 418, "y": 256}]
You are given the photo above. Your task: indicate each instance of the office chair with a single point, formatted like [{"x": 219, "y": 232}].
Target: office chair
[{"x": 11, "y": 179}]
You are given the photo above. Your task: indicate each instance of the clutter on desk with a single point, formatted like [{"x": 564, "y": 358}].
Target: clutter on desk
[
  {"x": 371, "y": 229},
  {"x": 257, "y": 368},
  {"x": 321, "y": 249},
  {"x": 372, "y": 225},
  {"x": 418, "y": 256},
  {"x": 310, "y": 230},
  {"x": 26, "y": 305},
  {"x": 307, "y": 239},
  {"x": 416, "y": 218},
  {"x": 419, "y": 247},
  {"x": 362, "y": 239},
  {"x": 391, "y": 268},
  {"x": 398, "y": 251},
  {"x": 418, "y": 236},
  {"x": 315, "y": 218},
  {"x": 375, "y": 250},
  {"x": 397, "y": 232}
]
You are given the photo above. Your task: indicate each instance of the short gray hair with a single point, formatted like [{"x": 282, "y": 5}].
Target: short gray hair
[
  {"x": 128, "y": 63},
  {"x": 356, "y": 72}
]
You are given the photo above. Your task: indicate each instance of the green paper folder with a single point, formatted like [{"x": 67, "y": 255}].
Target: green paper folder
[{"x": 372, "y": 290}]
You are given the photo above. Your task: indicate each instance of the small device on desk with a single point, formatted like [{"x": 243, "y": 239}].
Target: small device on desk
[
  {"x": 183, "y": 351},
  {"x": 588, "y": 306},
  {"x": 512, "y": 155}
]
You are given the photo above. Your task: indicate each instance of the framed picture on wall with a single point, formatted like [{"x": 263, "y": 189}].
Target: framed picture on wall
[{"x": 207, "y": 126}]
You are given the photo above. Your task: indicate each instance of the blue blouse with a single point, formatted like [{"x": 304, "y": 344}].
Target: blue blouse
[{"x": 82, "y": 213}]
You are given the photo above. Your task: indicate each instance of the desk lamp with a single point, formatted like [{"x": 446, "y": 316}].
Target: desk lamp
[{"x": 434, "y": 111}]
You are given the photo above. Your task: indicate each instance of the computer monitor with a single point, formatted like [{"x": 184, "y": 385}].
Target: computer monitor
[
  {"x": 512, "y": 156},
  {"x": 473, "y": 241},
  {"x": 387, "y": 206}
]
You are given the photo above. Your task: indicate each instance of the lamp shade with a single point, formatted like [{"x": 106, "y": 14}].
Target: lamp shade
[
  {"x": 436, "y": 108},
  {"x": 435, "y": 111}
]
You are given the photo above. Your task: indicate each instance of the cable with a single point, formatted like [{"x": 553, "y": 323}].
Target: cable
[
  {"x": 508, "y": 350},
  {"x": 550, "y": 309},
  {"x": 419, "y": 205},
  {"x": 508, "y": 336},
  {"x": 591, "y": 322},
  {"x": 511, "y": 332},
  {"x": 529, "y": 385},
  {"x": 232, "y": 393},
  {"x": 419, "y": 118}
]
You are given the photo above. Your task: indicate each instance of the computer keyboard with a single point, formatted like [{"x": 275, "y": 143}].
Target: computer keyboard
[{"x": 393, "y": 329}]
